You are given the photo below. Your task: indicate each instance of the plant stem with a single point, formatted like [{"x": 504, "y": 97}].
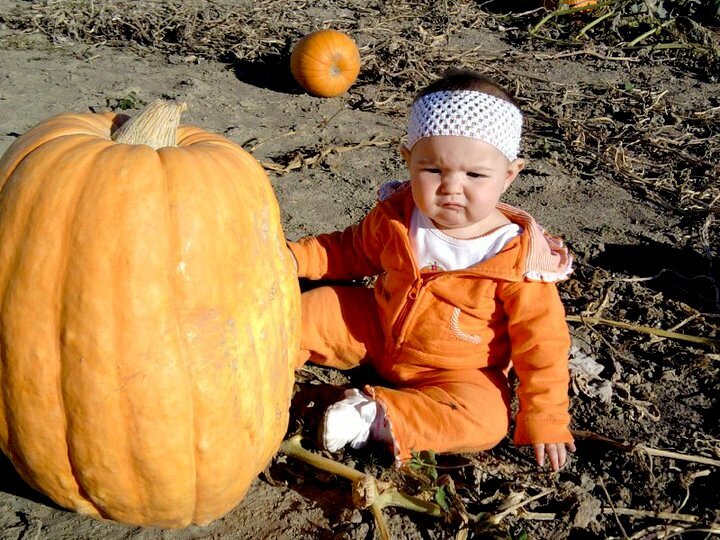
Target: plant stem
[
  {"x": 649, "y": 33},
  {"x": 388, "y": 495},
  {"x": 380, "y": 522},
  {"x": 293, "y": 447},
  {"x": 642, "y": 448},
  {"x": 646, "y": 329},
  {"x": 568, "y": 11},
  {"x": 595, "y": 22}
]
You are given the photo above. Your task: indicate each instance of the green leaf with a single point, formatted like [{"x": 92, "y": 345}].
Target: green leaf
[{"x": 441, "y": 498}]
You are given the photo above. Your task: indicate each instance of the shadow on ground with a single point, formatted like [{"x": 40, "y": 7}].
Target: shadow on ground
[
  {"x": 271, "y": 73},
  {"x": 13, "y": 484},
  {"x": 679, "y": 274}
]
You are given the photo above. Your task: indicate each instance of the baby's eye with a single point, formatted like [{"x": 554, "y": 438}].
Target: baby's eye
[
  {"x": 475, "y": 175},
  {"x": 431, "y": 170}
]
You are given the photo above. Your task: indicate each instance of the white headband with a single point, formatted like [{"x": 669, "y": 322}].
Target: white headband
[{"x": 467, "y": 113}]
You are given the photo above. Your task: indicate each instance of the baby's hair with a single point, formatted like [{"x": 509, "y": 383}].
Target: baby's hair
[{"x": 465, "y": 79}]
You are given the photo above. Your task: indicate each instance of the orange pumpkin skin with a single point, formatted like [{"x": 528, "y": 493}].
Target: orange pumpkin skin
[
  {"x": 578, "y": 3},
  {"x": 325, "y": 63},
  {"x": 148, "y": 321}
]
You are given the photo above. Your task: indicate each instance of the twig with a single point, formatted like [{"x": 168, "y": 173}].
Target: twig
[
  {"x": 708, "y": 112},
  {"x": 684, "y": 322},
  {"x": 259, "y": 143},
  {"x": 646, "y": 329},
  {"x": 299, "y": 160},
  {"x": 711, "y": 530},
  {"x": 688, "y": 481},
  {"x": 666, "y": 531},
  {"x": 613, "y": 509},
  {"x": 643, "y": 448},
  {"x": 383, "y": 493},
  {"x": 585, "y": 52},
  {"x": 497, "y": 518},
  {"x": 536, "y": 516},
  {"x": 669, "y": 516},
  {"x": 326, "y": 122},
  {"x": 670, "y": 46},
  {"x": 674, "y": 455},
  {"x": 658, "y": 532}
]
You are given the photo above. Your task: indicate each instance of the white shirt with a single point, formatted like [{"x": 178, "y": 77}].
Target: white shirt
[{"x": 435, "y": 251}]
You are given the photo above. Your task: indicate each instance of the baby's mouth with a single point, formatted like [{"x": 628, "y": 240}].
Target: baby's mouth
[{"x": 452, "y": 205}]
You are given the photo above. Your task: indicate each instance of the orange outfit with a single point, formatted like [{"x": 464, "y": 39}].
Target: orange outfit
[{"x": 444, "y": 340}]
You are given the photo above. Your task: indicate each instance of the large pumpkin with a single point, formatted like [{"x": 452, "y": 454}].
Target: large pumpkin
[
  {"x": 148, "y": 317},
  {"x": 325, "y": 63}
]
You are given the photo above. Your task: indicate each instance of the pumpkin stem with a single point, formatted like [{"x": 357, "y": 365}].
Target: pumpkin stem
[
  {"x": 156, "y": 125},
  {"x": 383, "y": 493}
]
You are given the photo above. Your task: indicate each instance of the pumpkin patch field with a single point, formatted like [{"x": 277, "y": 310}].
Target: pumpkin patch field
[{"x": 149, "y": 311}]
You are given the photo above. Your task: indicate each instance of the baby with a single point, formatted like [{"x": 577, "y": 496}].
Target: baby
[{"x": 465, "y": 290}]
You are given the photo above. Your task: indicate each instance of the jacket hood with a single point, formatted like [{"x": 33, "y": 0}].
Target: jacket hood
[
  {"x": 547, "y": 259},
  {"x": 545, "y": 256}
]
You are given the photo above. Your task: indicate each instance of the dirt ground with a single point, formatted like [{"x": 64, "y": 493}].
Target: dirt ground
[{"x": 622, "y": 142}]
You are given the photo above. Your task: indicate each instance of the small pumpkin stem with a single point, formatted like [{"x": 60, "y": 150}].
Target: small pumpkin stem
[
  {"x": 384, "y": 494},
  {"x": 156, "y": 125}
]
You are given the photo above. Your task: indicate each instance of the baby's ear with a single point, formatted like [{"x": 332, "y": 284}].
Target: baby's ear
[
  {"x": 405, "y": 153},
  {"x": 516, "y": 165}
]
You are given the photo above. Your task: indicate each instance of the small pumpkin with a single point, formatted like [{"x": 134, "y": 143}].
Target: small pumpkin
[
  {"x": 569, "y": 4},
  {"x": 326, "y": 63},
  {"x": 148, "y": 317}
]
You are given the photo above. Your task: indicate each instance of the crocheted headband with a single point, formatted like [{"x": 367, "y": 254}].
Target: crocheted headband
[{"x": 467, "y": 113}]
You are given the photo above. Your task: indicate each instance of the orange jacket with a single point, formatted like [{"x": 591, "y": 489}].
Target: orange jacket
[{"x": 487, "y": 315}]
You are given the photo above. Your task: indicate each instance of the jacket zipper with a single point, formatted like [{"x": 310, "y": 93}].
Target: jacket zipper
[
  {"x": 411, "y": 295},
  {"x": 418, "y": 287},
  {"x": 405, "y": 310}
]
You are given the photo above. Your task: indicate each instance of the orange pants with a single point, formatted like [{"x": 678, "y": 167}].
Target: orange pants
[{"x": 440, "y": 410}]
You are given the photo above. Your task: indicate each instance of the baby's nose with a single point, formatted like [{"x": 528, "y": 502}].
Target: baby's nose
[{"x": 451, "y": 183}]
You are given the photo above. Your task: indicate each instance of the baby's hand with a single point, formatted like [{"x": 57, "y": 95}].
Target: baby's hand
[{"x": 556, "y": 452}]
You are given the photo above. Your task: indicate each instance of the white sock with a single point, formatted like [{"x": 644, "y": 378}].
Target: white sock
[{"x": 349, "y": 421}]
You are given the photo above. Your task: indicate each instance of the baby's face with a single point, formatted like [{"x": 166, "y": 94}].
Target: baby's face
[{"x": 457, "y": 181}]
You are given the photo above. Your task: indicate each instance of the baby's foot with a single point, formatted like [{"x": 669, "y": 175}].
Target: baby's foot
[{"x": 348, "y": 421}]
